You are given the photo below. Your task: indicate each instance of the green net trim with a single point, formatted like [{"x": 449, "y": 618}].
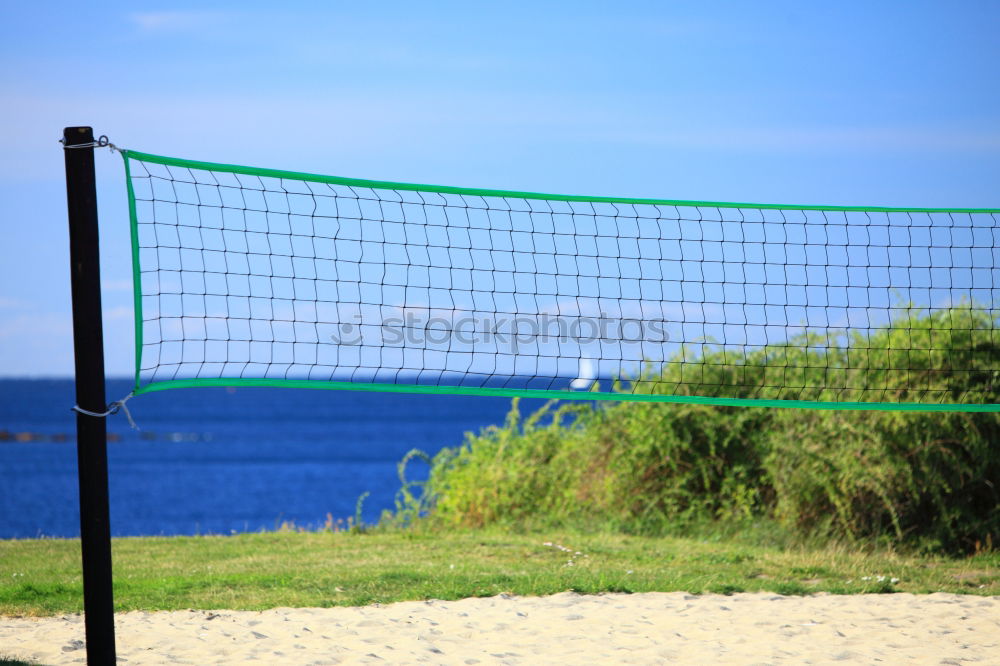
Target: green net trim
[{"x": 241, "y": 274}]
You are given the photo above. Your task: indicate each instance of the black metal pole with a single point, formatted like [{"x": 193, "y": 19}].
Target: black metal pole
[{"x": 91, "y": 431}]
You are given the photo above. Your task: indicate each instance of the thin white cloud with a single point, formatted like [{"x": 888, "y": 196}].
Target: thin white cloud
[
  {"x": 362, "y": 125},
  {"x": 174, "y": 20},
  {"x": 822, "y": 138},
  {"x": 370, "y": 124},
  {"x": 118, "y": 313},
  {"x": 113, "y": 285},
  {"x": 29, "y": 325}
]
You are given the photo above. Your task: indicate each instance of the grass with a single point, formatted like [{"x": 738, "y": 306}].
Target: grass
[{"x": 41, "y": 577}]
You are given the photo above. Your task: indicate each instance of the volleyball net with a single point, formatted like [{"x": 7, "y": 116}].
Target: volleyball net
[{"x": 248, "y": 276}]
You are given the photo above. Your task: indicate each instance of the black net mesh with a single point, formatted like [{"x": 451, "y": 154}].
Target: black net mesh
[{"x": 244, "y": 275}]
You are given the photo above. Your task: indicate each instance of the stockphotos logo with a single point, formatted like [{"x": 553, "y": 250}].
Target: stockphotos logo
[{"x": 417, "y": 330}]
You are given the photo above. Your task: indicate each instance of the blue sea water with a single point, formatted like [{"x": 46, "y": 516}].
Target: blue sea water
[{"x": 216, "y": 460}]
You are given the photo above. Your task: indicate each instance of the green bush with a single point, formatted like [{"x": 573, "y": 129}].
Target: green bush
[{"x": 928, "y": 478}]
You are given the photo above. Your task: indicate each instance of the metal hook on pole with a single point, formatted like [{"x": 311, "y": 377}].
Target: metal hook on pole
[{"x": 101, "y": 142}]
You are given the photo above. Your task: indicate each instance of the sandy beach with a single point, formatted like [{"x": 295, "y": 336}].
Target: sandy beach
[{"x": 565, "y": 628}]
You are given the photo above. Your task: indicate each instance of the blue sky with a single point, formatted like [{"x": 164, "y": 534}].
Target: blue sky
[{"x": 855, "y": 103}]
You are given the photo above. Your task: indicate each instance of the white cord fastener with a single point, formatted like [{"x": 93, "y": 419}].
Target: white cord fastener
[
  {"x": 113, "y": 408},
  {"x": 100, "y": 142}
]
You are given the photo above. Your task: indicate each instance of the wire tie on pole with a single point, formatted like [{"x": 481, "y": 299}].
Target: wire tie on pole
[
  {"x": 101, "y": 142},
  {"x": 113, "y": 408}
]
